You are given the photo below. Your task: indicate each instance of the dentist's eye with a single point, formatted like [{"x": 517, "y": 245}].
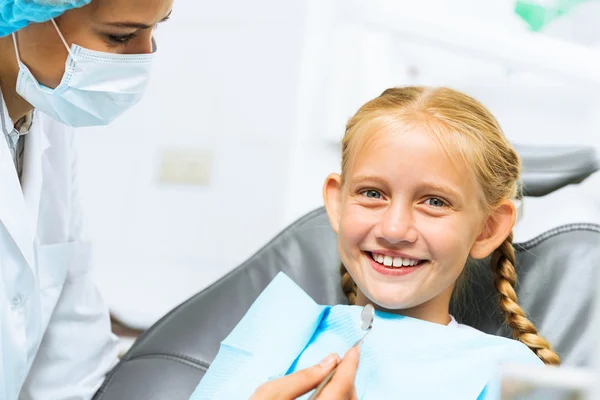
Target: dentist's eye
[
  {"x": 372, "y": 194},
  {"x": 121, "y": 39},
  {"x": 435, "y": 202}
]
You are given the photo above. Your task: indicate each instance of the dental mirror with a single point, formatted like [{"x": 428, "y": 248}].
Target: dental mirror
[
  {"x": 366, "y": 323},
  {"x": 366, "y": 317}
]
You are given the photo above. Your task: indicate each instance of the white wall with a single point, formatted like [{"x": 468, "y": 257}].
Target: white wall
[
  {"x": 361, "y": 59},
  {"x": 264, "y": 86},
  {"x": 225, "y": 82}
]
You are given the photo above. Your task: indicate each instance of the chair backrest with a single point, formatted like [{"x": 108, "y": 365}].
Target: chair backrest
[
  {"x": 556, "y": 287},
  {"x": 558, "y": 271}
]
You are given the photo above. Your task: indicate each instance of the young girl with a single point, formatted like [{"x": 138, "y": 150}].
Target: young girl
[
  {"x": 427, "y": 176},
  {"x": 426, "y": 184}
]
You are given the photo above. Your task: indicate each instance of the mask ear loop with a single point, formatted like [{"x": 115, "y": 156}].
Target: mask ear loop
[
  {"x": 14, "y": 36},
  {"x": 63, "y": 39}
]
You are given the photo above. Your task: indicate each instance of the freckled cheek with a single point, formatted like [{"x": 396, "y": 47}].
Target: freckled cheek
[
  {"x": 352, "y": 239},
  {"x": 350, "y": 236},
  {"x": 355, "y": 228},
  {"x": 445, "y": 242}
]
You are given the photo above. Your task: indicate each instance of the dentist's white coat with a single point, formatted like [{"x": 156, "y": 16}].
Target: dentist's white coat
[{"x": 55, "y": 338}]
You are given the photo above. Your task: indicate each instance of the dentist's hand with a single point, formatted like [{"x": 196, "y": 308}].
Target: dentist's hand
[{"x": 341, "y": 386}]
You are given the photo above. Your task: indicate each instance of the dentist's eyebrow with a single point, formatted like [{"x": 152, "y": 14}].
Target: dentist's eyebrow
[{"x": 137, "y": 25}]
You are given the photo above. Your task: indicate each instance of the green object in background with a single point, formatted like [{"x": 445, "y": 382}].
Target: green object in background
[{"x": 538, "y": 13}]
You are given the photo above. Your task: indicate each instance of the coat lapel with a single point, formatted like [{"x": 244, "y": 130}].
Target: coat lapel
[
  {"x": 33, "y": 174},
  {"x": 19, "y": 201}
]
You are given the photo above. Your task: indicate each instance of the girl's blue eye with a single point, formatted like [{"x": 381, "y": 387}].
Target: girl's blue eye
[
  {"x": 372, "y": 194},
  {"x": 435, "y": 202}
]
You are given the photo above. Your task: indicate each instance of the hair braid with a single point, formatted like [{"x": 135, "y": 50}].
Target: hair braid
[
  {"x": 505, "y": 278},
  {"x": 348, "y": 286}
]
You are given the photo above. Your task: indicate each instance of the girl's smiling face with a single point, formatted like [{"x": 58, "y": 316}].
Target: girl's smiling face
[
  {"x": 428, "y": 181},
  {"x": 407, "y": 218}
]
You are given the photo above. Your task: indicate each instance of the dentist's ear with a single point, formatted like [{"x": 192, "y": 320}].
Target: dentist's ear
[
  {"x": 496, "y": 229},
  {"x": 332, "y": 195}
]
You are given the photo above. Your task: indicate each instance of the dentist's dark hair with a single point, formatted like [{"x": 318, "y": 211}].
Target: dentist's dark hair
[{"x": 468, "y": 132}]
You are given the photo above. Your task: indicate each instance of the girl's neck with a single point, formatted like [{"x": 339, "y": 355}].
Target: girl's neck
[{"x": 9, "y": 71}]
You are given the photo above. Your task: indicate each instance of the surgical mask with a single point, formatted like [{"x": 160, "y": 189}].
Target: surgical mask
[{"x": 95, "y": 89}]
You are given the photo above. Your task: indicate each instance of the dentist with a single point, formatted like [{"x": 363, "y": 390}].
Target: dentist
[{"x": 63, "y": 64}]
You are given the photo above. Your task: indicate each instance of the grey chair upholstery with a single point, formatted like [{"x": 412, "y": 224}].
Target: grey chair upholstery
[
  {"x": 546, "y": 169},
  {"x": 557, "y": 270}
]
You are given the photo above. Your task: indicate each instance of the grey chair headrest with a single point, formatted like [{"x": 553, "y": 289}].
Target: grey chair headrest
[{"x": 547, "y": 168}]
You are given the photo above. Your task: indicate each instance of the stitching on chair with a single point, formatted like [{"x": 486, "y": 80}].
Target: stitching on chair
[
  {"x": 181, "y": 358},
  {"x": 528, "y": 245}
]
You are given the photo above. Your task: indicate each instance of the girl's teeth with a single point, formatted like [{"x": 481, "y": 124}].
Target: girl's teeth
[{"x": 390, "y": 261}]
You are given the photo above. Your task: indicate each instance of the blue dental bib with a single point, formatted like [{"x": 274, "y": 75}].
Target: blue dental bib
[{"x": 402, "y": 358}]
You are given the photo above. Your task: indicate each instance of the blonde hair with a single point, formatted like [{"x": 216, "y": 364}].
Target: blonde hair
[{"x": 464, "y": 128}]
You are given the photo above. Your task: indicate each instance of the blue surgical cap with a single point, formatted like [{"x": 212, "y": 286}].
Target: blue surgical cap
[{"x": 16, "y": 14}]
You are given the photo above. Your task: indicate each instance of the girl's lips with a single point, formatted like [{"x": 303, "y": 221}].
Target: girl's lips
[{"x": 393, "y": 271}]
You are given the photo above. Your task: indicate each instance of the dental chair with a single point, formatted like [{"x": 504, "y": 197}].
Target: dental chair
[{"x": 557, "y": 266}]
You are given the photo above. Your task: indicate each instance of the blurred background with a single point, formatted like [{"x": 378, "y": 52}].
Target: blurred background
[{"x": 243, "y": 118}]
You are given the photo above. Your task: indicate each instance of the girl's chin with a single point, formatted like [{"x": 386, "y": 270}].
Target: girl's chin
[{"x": 388, "y": 303}]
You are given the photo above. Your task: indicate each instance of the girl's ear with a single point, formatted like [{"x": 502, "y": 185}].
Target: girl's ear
[
  {"x": 332, "y": 195},
  {"x": 496, "y": 229}
]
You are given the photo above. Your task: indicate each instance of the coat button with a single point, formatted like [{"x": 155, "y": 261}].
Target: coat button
[{"x": 17, "y": 301}]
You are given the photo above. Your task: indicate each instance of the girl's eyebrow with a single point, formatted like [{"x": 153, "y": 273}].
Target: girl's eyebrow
[
  {"x": 434, "y": 186},
  {"x": 368, "y": 178},
  {"x": 437, "y": 187},
  {"x": 427, "y": 185}
]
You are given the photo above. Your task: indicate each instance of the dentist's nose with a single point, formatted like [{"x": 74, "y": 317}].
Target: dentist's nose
[
  {"x": 143, "y": 44},
  {"x": 397, "y": 225}
]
